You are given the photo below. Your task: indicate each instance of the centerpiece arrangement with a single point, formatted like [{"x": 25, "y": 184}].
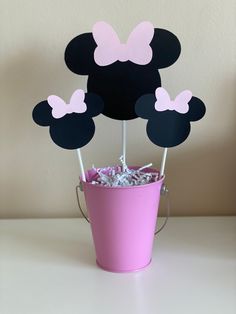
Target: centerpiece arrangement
[{"x": 123, "y": 84}]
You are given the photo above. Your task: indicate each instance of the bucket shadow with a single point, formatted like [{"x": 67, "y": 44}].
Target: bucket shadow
[{"x": 49, "y": 242}]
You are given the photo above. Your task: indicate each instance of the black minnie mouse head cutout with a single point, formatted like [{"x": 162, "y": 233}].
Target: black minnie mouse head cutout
[
  {"x": 70, "y": 125},
  {"x": 121, "y": 73},
  {"x": 169, "y": 121}
]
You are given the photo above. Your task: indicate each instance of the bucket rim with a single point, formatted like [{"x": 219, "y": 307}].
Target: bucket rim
[{"x": 98, "y": 186}]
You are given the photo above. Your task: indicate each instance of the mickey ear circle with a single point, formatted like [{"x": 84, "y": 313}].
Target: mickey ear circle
[
  {"x": 145, "y": 106},
  {"x": 166, "y": 48},
  {"x": 197, "y": 109},
  {"x": 94, "y": 104},
  {"x": 42, "y": 114},
  {"x": 79, "y": 54}
]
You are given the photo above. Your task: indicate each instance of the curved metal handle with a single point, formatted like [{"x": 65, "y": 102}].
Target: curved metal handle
[
  {"x": 77, "y": 188},
  {"x": 164, "y": 192}
]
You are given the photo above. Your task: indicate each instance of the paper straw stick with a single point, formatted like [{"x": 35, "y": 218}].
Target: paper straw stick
[
  {"x": 163, "y": 162},
  {"x": 81, "y": 165},
  {"x": 124, "y": 141}
]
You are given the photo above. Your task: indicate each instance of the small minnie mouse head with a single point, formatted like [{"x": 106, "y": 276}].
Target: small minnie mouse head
[
  {"x": 121, "y": 73},
  {"x": 169, "y": 121},
  {"x": 70, "y": 125}
]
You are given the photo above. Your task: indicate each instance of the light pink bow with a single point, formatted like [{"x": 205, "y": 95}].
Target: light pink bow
[
  {"x": 180, "y": 104},
  {"x": 110, "y": 49},
  {"x": 60, "y": 108}
]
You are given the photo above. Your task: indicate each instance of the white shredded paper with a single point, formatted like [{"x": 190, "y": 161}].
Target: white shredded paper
[{"x": 118, "y": 176}]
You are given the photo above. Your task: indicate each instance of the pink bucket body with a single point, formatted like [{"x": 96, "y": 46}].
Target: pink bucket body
[{"x": 123, "y": 221}]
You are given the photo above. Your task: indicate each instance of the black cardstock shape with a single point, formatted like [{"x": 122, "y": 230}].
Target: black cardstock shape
[
  {"x": 168, "y": 128},
  {"x": 122, "y": 83},
  {"x": 74, "y": 130}
]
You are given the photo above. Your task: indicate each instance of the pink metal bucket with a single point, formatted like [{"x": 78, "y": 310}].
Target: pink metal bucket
[{"x": 123, "y": 221}]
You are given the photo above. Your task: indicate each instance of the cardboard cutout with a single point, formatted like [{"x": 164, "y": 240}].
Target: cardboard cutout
[
  {"x": 169, "y": 120},
  {"x": 70, "y": 125},
  {"x": 122, "y": 72}
]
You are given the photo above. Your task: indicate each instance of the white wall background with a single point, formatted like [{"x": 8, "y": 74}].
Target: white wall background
[{"x": 37, "y": 178}]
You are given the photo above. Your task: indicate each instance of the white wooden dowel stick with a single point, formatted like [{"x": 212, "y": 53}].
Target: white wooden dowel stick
[
  {"x": 81, "y": 165},
  {"x": 163, "y": 162},
  {"x": 124, "y": 141}
]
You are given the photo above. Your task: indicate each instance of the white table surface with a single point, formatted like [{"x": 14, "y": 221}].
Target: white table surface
[{"x": 48, "y": 266}]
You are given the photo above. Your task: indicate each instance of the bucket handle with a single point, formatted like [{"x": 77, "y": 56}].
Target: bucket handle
[
  {"x": 164, "y": 192},
  {"x": 77, "y": 188}
]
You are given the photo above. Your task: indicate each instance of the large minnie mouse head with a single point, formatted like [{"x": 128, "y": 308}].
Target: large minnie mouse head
[
  {"x": 121, "y": 73},
  {"x": 169, "y": 121},
  {"x": 70, "y": 125}
]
